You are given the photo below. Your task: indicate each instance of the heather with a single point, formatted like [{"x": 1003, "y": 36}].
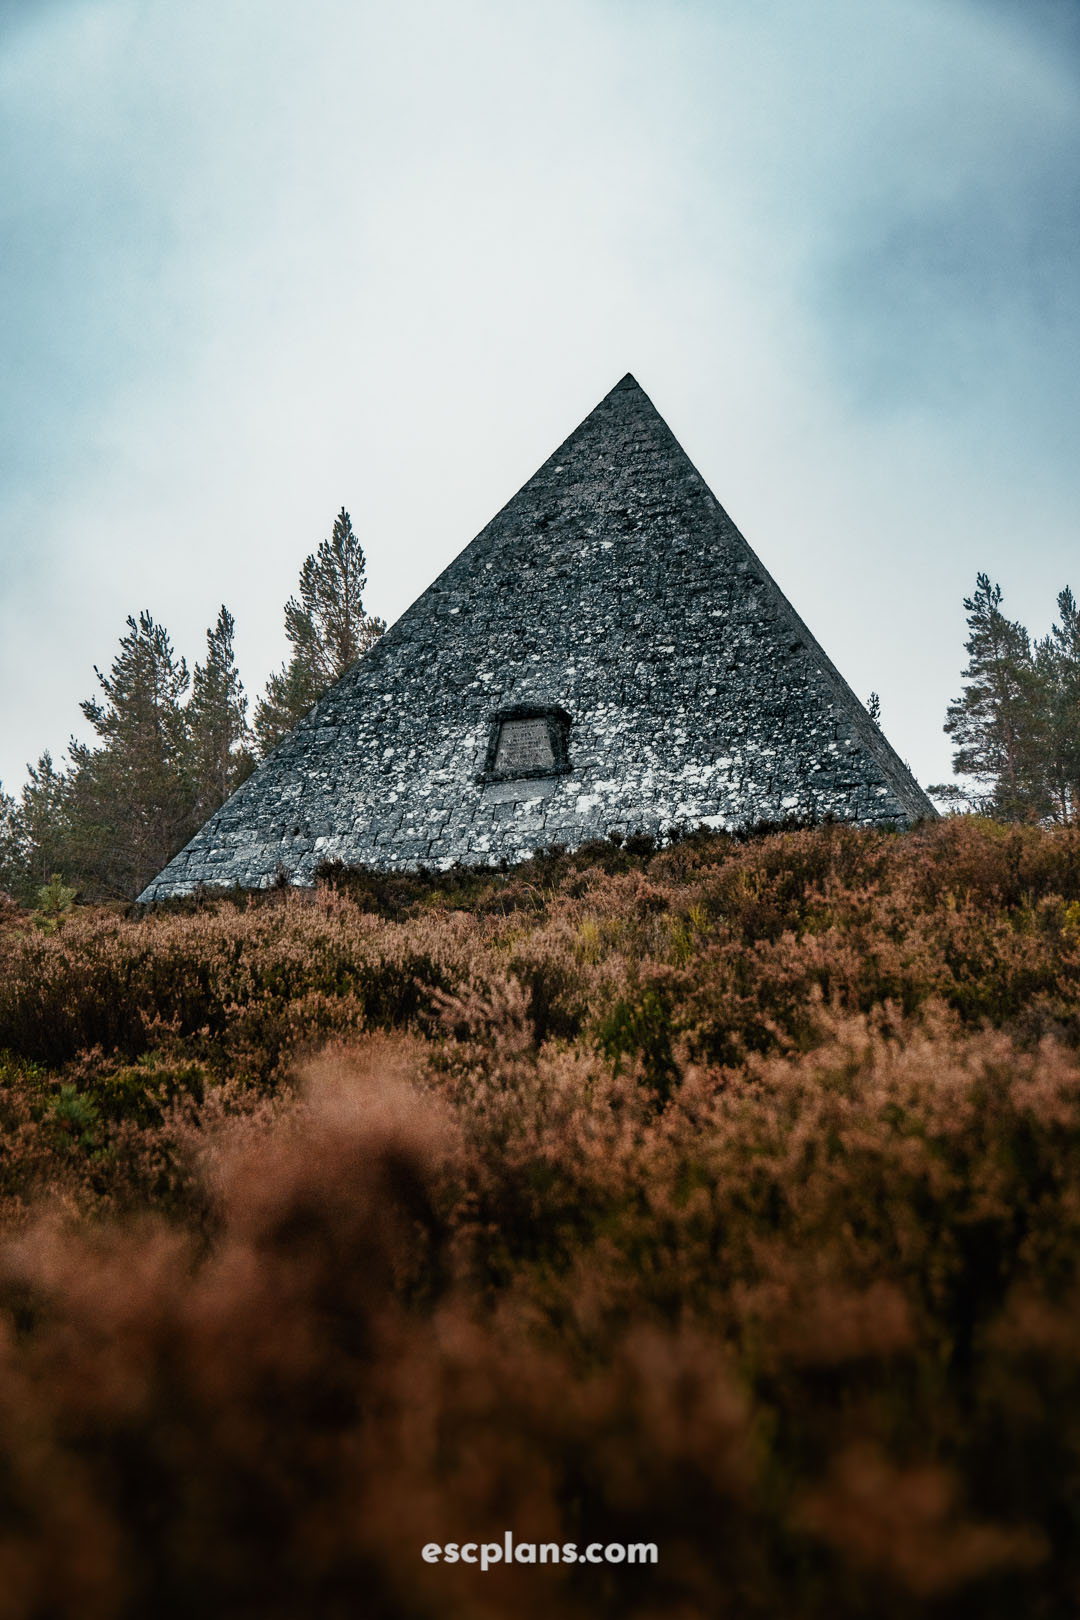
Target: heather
[{"x": 725, "y": 1196}]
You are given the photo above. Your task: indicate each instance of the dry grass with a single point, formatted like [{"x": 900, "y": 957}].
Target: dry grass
[{"x": 726, "y": 1197}]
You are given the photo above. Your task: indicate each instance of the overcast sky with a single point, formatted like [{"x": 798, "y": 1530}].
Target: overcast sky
[{"x": 260, "y": 260}]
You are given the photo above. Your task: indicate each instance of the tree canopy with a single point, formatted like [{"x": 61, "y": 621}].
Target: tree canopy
[
  {"x": 220, "y": 737},
  {"x": 328, "y": 629},
  {"x": 1016, "y": 724},
  {"x": 169, "y": 746},
  {"x": 131, "y": 800}
]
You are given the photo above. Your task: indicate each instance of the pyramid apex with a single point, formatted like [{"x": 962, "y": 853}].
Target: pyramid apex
[{"x": 608, "y": 655}]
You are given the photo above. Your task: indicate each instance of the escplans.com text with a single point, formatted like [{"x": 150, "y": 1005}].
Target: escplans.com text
[{"x": 486, "y": 1553}]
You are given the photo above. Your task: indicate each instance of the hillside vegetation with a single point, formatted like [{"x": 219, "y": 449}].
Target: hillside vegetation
[{"x": 725, "y": 1197}]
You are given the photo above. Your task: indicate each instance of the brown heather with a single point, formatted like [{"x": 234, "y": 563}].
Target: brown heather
[{"x": 726, "y": 1197}]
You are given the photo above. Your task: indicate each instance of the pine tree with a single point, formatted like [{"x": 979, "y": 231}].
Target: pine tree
[
  {"x": 999, "y": 723},
  {"x": 44, "y": 824},
  {"x": 1057, "y": 659},
  {"x": 288, "y": 697},
  {"x": 327, "y": 629},
  {"x": 132, "y": 800},
  {"x": 217, "y": 721},
  {"x": 10, "y": 845},
  {"x": 35, "y": 831}
]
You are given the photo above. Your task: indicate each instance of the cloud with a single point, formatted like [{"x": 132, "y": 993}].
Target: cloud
[
  {"x": 17, "y": 14},
  {"x": 952, "y": 280},
  {"x": 259, "y": 262}
]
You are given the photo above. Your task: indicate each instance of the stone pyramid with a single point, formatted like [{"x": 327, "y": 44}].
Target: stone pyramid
[{"x": 608, "y": 655}]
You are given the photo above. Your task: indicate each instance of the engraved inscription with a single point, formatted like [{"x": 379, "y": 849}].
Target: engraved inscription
[{"x": 524, "y": 745}]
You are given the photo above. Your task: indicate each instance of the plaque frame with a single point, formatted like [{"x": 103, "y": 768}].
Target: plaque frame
[{"x": 558, "y": 728}]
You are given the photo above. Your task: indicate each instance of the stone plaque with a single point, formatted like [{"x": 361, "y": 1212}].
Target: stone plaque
[{"x": 524, "y": 746}]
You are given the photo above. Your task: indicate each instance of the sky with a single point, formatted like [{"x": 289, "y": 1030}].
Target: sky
[{"x": 260, "y": 261}]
